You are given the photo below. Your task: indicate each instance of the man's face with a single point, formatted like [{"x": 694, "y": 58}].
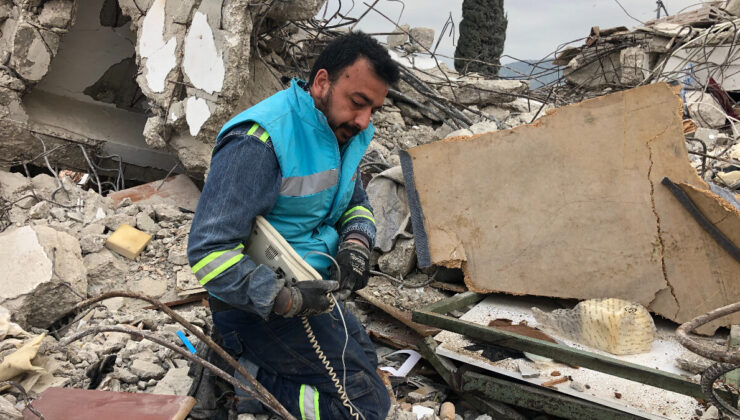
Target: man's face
[{"x": 350, "y": 100}]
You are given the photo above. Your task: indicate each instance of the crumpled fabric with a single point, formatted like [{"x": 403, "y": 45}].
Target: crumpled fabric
[
  {"x": 387, "y": 196},
  {"x": 20, "y": 360},
  {"x": 7, "y": 328}
]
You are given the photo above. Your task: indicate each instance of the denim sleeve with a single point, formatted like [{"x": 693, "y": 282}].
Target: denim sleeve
[
  {"x": 243, "y": 182},
  {"x": 359, "y": 225}
]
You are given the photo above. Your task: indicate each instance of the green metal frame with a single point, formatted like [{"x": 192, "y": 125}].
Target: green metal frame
[
  {"x": 435, "y": 315},
  {"x": 491, "y": 395}
]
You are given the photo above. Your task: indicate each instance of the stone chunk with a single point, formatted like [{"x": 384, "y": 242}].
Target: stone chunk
[
  {"x": 175, "y": 382},
  {"x": 105, "y": 272},
  {"x": 424, "y": 36},
  {"x": 35, "y": 264},
  {"x": 56, "y": 13},
  {"x": 401, "y": 260},
  {"x": 31, "y": 57},
  {"x": 399, "y": 39},
  {"x": 147, "y": 370},
  {"x": 128, "y": 241},
  {"x": 704, "y": 110},
  {"x": 8, "y": 411},
  {"x": 40, "y": 210},
  {"x": 479, "y": 91}
]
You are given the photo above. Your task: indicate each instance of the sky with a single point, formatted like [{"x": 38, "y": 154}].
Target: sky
[{"x": 535, "y": 28}]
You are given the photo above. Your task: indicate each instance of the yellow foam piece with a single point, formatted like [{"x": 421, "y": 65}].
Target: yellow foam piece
[{"x": 128, "y": 241}]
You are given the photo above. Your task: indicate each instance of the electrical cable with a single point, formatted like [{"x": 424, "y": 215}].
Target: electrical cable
[{"x": 341, "y": 388}]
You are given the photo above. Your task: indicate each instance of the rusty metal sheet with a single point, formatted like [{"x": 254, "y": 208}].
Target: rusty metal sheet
[{"x": 84, "y": 404}]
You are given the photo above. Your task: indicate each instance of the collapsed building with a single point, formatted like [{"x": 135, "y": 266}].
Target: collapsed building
[{"x": 100, "y": 92}]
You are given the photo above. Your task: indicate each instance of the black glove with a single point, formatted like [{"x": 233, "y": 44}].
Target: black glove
[
  {"x": 309, "y": 297},
  {"x": 354, "y": 265}
]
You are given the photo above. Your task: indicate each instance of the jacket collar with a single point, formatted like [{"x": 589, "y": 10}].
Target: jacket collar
[{"x": 303, "y": 102}]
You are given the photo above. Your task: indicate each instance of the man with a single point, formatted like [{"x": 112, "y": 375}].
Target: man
[{"x": 293, "y": 158}]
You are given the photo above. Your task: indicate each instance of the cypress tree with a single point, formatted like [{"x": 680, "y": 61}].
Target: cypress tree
[{"x": 482, "y": 36}]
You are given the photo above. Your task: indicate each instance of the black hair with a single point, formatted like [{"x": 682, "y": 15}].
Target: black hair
[{"x": 344, "y": 50}]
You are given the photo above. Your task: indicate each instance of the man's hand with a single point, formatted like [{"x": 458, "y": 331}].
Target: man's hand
[
  {"x": 354, "y": 264},
  {"x": 305, "y": 298}
]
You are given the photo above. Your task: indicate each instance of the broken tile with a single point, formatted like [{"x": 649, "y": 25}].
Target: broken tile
[
  {"x": 584, "y": 217},
  {"x": 128, "y": 241}
]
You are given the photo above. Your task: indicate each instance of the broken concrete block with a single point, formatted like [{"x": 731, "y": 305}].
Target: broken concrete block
[
  {"x": 483, "y": 127},
  {"x": 31, "y": 56},
  {"x": 423, "y": 36},
  {"x": 115, "y": 221},
  {"x": 57, "y": 13},
  {"x": 526, "y": 370},
  {"x": 704, "y": 110},
  {"x": 8, "y": 411},
  {"x": 147, "y": 370},
  {"x": 634, "y": 66},
  {"x": 175, "y": 382},
  {"x": 146, "y": 223},
  {"x": 40, "y": 210},
  {"x": 730, "y": 179},
  {"x": 105, "y": 272},
  {"x": 178, "y": 254},
  {"x": 479, "y": 91},
  {"x": 149, "y": 286},
  {"x": 42, "y": 275},
  {"x": 128, "y": 241},
  {"x": 295, "y": 10},
  {"x": 565, "y": 231},
  {"x": 401, "y": 260},
  {"x": 167, "y": 213},
  {"x": 92, "y": 243},
  {"x": 399, "y": 39},
  {"x": 463, "y": 132},
  {"x": 12, "y": 183}
]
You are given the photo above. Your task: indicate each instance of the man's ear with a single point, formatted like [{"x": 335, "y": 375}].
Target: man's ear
[{"x": 320, "y": 84}]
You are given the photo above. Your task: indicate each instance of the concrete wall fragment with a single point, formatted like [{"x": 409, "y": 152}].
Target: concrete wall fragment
[
  {"x": 42, "y": 275},
  {"x": 585, "y": 215}
]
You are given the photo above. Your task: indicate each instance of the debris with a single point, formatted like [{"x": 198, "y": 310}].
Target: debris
[
  {"x": 406, "y": 367},
  {"x": 553, "y": 382},
  {"x": 388, "y": 199},
  {"x": 175, "y": 382},
  {"x": 128, "y": 241},
  {"x": 704, "y": 110},
  {"x": 8, "y": 411},
  {"x": 516, "y": 245},
  {"x": 401, "y": 315},
  {"x": 400, "y": 260},
  {"x": 177, "y": 190},
  {"x": 93, "y": 405},
  {"x": 526, "y": 370},
  {"x": 613, "y": 325},
  {"x": 41, "y": 274},
  {"x": 577, "y": 386}
]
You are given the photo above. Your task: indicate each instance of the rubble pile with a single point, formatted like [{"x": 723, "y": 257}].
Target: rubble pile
[{"x": 190, "y": 65}]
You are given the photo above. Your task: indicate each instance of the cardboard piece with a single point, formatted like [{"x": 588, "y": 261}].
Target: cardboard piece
[{"x": 571, "y": 206}]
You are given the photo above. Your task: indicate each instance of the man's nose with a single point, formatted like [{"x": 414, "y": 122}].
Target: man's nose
[{"x": 362, "y": 118}]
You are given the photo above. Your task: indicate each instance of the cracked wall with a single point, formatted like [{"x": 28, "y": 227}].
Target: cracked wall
[{"x": 150, "y": 80}]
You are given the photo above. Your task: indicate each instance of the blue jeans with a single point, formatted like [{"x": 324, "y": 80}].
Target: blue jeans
[{"x": 290, "y": 369}]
